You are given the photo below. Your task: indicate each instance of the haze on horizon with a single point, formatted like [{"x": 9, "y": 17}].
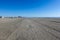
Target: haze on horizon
[{"x": 30, "y": 8}]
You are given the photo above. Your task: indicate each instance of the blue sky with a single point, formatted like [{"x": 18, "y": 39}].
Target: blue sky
[{"x": 30, "y": 8}]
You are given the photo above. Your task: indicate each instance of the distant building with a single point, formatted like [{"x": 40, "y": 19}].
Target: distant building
[
  {"x": 0, "y": 16},
  {"x": 19, "y": 17},
  {"x": 13, "y": 17}
]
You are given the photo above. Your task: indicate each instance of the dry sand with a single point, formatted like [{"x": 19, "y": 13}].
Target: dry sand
[{"x": 30, "y": 29}]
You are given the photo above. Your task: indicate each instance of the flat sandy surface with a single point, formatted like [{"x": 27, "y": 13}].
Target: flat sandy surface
[{"x": 30, "y": 29}]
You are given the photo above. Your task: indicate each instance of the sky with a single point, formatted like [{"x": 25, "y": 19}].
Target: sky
[{"x": 30, "y": 8}]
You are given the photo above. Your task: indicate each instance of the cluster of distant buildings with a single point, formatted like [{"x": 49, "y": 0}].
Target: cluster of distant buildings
[{"x": 11, "y": 17}]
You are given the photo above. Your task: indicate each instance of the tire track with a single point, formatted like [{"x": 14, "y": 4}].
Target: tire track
[
  {"x": 16, "y": 24},
  {"x": 18, "y": 31},
  {"x": 48, "y": 27},
  {"x": 33, "y": 30}
]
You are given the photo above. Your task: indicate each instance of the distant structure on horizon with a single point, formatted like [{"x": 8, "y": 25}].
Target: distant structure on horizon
[
  {"x": 13, "y": 17},
  {"x": 0, "y": 16}
]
